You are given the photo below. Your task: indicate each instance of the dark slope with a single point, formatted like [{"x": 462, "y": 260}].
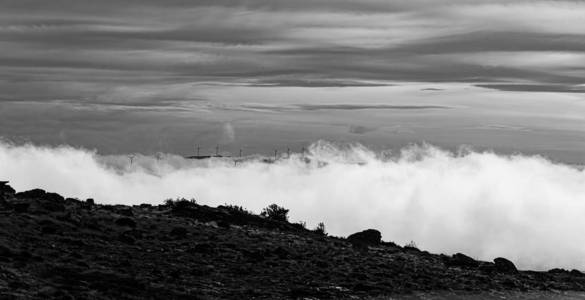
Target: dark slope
[{"x": 52, "y": 247}]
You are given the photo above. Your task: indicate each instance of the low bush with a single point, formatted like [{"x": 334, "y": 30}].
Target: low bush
[
  {"x": 180, "y": 203},
  {"x": 235, "y": 209},
  {"x": 275, "y": 212},
  {"x": 320, "y": 229}
]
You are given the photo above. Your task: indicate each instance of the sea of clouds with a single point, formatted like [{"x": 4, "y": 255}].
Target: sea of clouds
[{"x": 525, "y": 208}]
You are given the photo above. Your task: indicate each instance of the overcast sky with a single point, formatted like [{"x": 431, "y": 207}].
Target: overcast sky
[{"x": 161, "y": 58}]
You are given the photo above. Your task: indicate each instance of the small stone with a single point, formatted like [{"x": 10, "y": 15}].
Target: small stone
[
  {"x": 126, "y": 239},
  {"x": 203, "y": 248},
  {"x": 126, "y": 222},
  {"x": 5, "y": 251},
  {"x": 49, "y": 229},
  {"x": 179, "y": 232},
  {"x": 203, "y": 270},
  {"x": 21, "y": 207}
]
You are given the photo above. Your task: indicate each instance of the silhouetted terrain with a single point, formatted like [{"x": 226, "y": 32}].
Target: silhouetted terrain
[{"x": 51, "y": 247}]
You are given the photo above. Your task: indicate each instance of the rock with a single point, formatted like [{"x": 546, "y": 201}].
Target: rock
[
  {"x": 223, "y": 224},
  {"x": 125, "y": 221},
  {"x": 203, "y": 248},
  {"x": 281, "y": 253},
  {"x": 505, "y": 266},
  {"x": 364, "y": 287},
  {"x": 53, "y": 204},
  {"x": 126, "y": 238},
  {"x": 557, "y": 271},
  {"x": 21, "y": 207},
  {"x": 322, "y": 264},
  {"x": 54, "y": 197},
  {"x": 203, "y": 270},
  {"x": 462, "y": 260},
  {"x": 31, "y": 194},
  {"x": 5, "y": 251},
  {"x": 5, "y": 189},
  {"x": 3, "y": 203},
  {"x": 48, "y": 227},
  {"x": 88, "y": 204},
  {"x": 179, "y": 232},
  {"x": 125, "y": 211},
  {"x": 487, "y": 267},
  {"x": 369, "y": 237},
  {"x": 256, "y": 255}
]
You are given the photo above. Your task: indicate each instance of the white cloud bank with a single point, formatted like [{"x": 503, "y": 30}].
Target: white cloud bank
[{"x": 527, "y": 209}]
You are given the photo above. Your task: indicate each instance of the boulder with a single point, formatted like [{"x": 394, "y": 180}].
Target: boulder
[
  {"x": 31, "y": 194},
  {"x": 88, "y": 204},
  {"x": 487, "y": 267},
  {"x": 505, "y": 266},
  {"x": 5, "y": 189},
  {"x": 557, "y": 271},
  {"x": 54, "y": 197},
  {"x": 369, "y": 237},
  {"x": 462, "y": 260}
]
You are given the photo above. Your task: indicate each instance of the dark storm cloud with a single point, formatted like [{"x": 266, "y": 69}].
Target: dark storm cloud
[{"x": 139, "y": 51}]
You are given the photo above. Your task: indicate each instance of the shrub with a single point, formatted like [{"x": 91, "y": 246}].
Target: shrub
[
  {"x": 235, "y": 209},
  {"x": 180, "y": 203},
  {"x": 275, "y": 212},
  {"x": 320, "y": 229},
  {"x": 411, "y": 245}
]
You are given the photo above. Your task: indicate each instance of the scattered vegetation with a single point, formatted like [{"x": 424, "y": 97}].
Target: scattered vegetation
[
  {"x": 411, "y": 245},
  {"x": 320, "y": 229},
  {"x": 235, "y": 209},
  {"x": 180, "y": 203},
  {"x": 275, "y": 212}
]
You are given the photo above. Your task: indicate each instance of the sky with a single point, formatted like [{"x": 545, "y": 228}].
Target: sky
[{"x": 148, "y": 76}]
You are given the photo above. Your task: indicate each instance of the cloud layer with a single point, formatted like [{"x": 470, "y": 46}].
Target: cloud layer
[
  {"x": 525, "y": 208},
  {"x": 83, "y": 49}
]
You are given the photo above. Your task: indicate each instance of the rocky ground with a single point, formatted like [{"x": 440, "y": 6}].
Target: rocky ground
[{"x": 51, "y": 247}]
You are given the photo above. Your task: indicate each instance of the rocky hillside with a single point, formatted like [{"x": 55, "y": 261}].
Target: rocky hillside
[{"x": 51, "y": 247}]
